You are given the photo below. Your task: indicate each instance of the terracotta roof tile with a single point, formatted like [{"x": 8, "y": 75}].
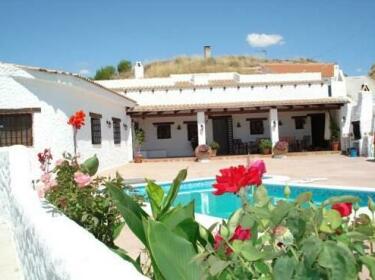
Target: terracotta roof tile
[{"x": 326, "y": 69}]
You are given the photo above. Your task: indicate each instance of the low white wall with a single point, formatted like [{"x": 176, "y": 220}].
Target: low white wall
[{"x": 51, "y": 246}]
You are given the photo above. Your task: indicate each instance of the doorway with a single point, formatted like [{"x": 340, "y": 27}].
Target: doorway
[
  {"x": 317, "y": 131},
  {"x": 220, "y": 127}
]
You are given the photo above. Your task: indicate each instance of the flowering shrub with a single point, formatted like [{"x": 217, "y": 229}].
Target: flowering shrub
[
  {"x": 281, "y": 146},
  {"x": 76, "y": 121},
  {"x": 264, "y": 239}
]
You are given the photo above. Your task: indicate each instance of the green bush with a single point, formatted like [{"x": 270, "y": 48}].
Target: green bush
[
  {"x": 265, "y": 144},
  {"x": 215, "y": 146},
  {"x": 264, "y": 239},
  {"x": 124, "y": 66},
  {"x": 105, "y": 73}
]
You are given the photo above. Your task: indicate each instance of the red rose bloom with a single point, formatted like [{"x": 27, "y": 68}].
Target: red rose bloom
[
  {"x": 240, "y": 233},
  {"x": 345, "y": 209},
  {"x": 77, "y": 120},
  {"x": 232, "y": 179}
]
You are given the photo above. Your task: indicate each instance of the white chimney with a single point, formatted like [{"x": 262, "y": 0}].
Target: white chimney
[
  {"x": 207, "y": 51},
  {"x": 138, "y": 70}
]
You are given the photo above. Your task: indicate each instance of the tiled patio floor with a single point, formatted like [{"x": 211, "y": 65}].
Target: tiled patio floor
[{"x": 322, "y": 169}]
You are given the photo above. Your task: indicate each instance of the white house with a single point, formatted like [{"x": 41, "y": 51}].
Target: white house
[
  {"x": 35, "y": 105},
  {"x": 360, "y": 115},
  {"x": 293, "y": 102}
]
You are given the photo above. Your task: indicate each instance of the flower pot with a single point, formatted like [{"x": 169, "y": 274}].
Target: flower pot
[
  {"x": 213, "y": 153},
  {"x": 138, "y": 157},
  {"x": 203, "y": 152},
  {"x": 266, "y": 151},
  {"x": 335, "y": 145}
]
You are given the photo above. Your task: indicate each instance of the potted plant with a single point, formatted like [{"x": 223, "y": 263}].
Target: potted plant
[
  {"x": 139, "y": 140},
  {"x": 214, "y": 148},
  {"x": 265, "y": 146},
  {"x": 335, "y": 135},
  {"x": 203, "y": 152},
  {"x": 280, "y": 148}
]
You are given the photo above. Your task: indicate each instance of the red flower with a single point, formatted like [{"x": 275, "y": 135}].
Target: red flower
[
  {"x": 345, "y": 209},
  {"x": 240, "y": 233},
  {"x": 232, "y": 179},
  {"x": 77, "y": 120}
]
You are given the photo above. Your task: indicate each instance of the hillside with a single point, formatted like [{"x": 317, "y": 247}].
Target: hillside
[
  {"x": 372, "y": 72},
  {"x": 184, "y": 65}
]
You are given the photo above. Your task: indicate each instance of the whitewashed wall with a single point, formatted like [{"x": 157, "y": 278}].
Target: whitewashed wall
[
  {"x": 51, "y": 246},
  {"x": 178, "y": 145},
  {"x": 230, "y": 94},
  {"x": 59, "y": 96}
]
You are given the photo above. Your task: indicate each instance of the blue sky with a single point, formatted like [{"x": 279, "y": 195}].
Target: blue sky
[{"x": 82, "y": 35}]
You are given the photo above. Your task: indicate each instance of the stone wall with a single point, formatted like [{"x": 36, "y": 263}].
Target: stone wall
[{"x": 51, "y": 246}]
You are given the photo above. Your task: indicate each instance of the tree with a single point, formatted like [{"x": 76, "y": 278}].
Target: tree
[
  {"x": 124, "y": 66},
  {"x": 372, "y": 72},
  {"x": 105, "y": 73}
]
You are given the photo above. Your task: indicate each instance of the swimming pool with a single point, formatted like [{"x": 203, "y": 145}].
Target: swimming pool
[{"x": 223, "y": 205}]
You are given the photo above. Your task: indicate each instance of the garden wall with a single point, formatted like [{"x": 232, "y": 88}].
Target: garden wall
[{"x": 49, "y": 245}]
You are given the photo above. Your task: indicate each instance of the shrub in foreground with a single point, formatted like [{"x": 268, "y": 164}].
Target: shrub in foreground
[{"x": 264, "y": 239}]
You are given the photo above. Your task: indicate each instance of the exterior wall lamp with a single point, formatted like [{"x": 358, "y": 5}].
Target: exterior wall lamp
[
  {"x": 343, "y": 119},
  {"x": 108, "y": 122},
  {"x": 238, "y": 124},
  {"x": 178, "y": 127},
  {"x": 125, "y": 126},
  {"x": 273, "y": 124}
]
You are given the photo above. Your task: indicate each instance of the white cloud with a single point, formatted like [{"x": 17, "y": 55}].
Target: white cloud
[
  {"x": 258, "y": 40},
  {"x": 84, "y": 72}
]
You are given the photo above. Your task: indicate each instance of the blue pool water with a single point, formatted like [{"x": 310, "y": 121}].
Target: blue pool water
[{"x": 223, "y": 205}]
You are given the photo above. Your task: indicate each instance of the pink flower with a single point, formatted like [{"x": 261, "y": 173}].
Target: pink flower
[
  {"x": 83, "y": 180},
  {"x": 260, "y": 165},
  {"x": 59, "y": 162}
]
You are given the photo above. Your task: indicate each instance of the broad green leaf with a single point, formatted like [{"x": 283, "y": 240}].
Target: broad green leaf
[
  {"x": 284, "y": 268},
  {"x": 216, "y": 265},
  {"x": 205, "y": 236},
  {"x": 189, "y": 230},
  {"x": 339, "y": 260},
  {"x": 130, "y": 210},
  {"x": 173, "y": 255},
  {"x": 303, "y": 198},
  {"x": 235, "y": 219},
  {"x": 262, "y": 267},
  {"x": 331, "y": 221},
  {"x": 287, "y": 191},
  {"x": 247, "y": 250},
  {"x": 178, "y": 214},
  {"x": 369, "y": 262},
  {"x": 173, "y": 191},
  {"x": 311, "y": 249},
  {"x": 280, "y": 212},
  {"x": 90, "y": 165},
  {"x": 155, "y": 194},
  {"x": 124, "y": 255},
  {"x": 340, "y": 199},
  {"x": 296, "y": 225},
  {"x": 117, "y": 230},
  {"x": 371, "y": 204},
  {"x": 260, "y": 196}
]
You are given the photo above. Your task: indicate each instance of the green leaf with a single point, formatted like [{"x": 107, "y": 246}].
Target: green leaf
[
  {"x": 311, "y": 249},
  {"x": 123, "y": 254},
  {"x": 287, "y": 191},
  {"x": 371, "y": 204},
  {"x": 205, "y": 236},
  {"x": 234, "y": 219},
  {"x": 339, "y": 260},
  {"x": 331, "y": 221},
  {"x": 216, "y": 265},
  {"x": 303, "y": 198},
  {"x": 155, "y": 194},
  {"x": 284, "y": 268},
  {"x": 117, "y": 230},
  {"x": 173, "y": 255},
  {"x": 177, "y": 215},
  {"x": 90, "y": 165},
  {"x": 130, "y": 210},
  {"x": 369, "y": 262},
  {"x": 280, "y": 212},
  {"x": 340, "y": 199},
  {"x": 260, "y": 196},
  {"x": 247, "y": 250},
  {"x": 173, "y": 191}
]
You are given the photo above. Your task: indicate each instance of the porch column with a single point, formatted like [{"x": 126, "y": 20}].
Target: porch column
[
  {"x": 201, "y": 122},
  {"x": 274, "y": 126}
]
